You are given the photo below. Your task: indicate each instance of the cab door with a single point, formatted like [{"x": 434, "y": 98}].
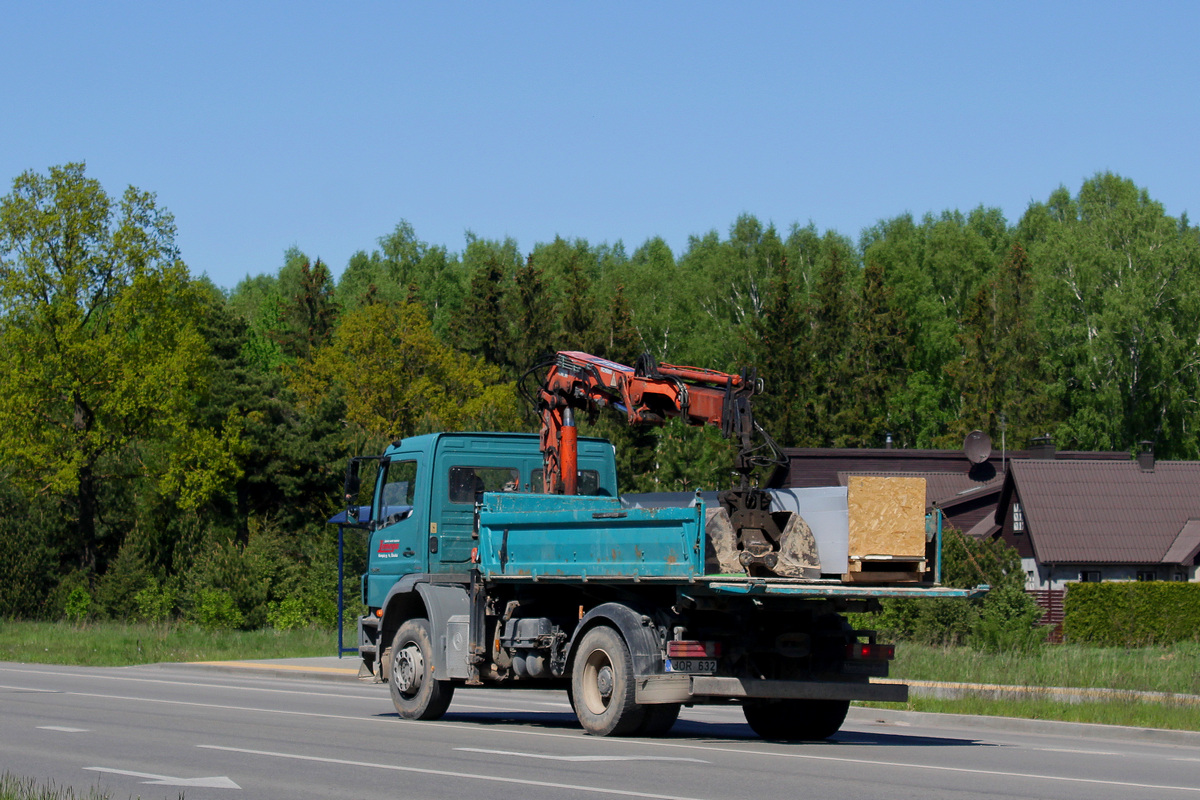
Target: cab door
[{"x": 398, "y": 539}]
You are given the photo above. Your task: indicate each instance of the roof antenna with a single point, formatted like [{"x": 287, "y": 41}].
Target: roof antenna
[{"x": 1003, "y": 426}]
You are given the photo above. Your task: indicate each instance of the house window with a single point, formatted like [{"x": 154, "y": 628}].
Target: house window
[
  {"x": 1089, "y": 576},
  {"x": 1018, "y": 519},
  {"x": 1147, "y": 575},
  {"x": 1180, "y": 576}
]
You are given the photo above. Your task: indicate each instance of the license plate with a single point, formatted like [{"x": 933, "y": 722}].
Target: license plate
[{"x": 692, "y": 665}]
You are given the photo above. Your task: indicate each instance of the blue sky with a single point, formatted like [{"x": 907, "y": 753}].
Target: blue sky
[{"x": 263, "y": 126}]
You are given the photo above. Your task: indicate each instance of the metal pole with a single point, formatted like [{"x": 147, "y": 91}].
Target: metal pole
[
  {"x": 341, "y": 595},
  {"x": 937, "y": 563}
]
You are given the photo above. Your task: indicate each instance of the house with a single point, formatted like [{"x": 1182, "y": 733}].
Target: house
[
  {"x": 965, "y": 486},
  {"x": 1094, "y": 520}
]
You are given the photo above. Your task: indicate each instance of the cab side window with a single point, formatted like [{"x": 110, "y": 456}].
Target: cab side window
[
  {"x": 588, "y": 482},
  {"x": 399, "y": 485},
  {"x": 467, "y": 482}
]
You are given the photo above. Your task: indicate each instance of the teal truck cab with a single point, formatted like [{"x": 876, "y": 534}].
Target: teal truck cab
[{"x": 475, "y": 577}]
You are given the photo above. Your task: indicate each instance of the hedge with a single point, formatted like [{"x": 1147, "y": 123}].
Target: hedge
[{"x": 1131, "y": 614}]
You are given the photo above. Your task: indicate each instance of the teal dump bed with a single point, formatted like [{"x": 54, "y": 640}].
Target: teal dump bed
[{"x": 540, "y": 535}]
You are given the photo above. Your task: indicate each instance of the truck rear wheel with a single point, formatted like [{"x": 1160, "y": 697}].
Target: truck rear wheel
[
  {"x": 602, "y": 686},
  {"x": 796, "y": 720},
  {"x": 415, "y": 692},
  {"x": 660, "y": 718}
]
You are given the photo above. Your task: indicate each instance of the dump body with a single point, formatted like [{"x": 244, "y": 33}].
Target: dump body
[{"x": 566, "y": 536}]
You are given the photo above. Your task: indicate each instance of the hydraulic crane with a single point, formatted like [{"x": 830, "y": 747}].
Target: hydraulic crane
[{"x": 648, "y": 394}]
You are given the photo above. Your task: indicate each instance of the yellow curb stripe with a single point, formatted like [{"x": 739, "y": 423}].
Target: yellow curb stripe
[{"x": 294, "y": 667}]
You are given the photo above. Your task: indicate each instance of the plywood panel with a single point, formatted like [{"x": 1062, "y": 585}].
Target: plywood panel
[{"x": 887, "y": 517}]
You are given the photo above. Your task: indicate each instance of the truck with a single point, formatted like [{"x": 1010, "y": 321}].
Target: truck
[{"x": 482, "y": 571}]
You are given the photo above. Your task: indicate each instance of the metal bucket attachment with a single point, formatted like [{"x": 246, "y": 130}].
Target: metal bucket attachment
[{"x": 745, "y": 537}]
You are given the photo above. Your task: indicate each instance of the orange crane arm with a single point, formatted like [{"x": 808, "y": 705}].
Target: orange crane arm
[{"x": 648, "y": 393}]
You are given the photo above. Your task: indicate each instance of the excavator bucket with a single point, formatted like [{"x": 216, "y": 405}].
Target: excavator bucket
[{"x": 745, "y": 537}]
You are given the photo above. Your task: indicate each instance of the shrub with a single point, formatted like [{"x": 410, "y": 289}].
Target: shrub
[
  {"x": 77, "y": 605},
  {"x": 154, "y": 603},
  {"x": 216, "y": 611},
  {"x": 288, "y": 614},
  {"x": 117, "y": 588},
  {"x": 1131, "y": 614},
  {"x": 28, "y": 531},
  {"x": 1005, "y": 618}
]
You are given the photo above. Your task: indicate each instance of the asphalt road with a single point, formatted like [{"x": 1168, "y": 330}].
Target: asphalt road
[{"x": 158, "y": 731}]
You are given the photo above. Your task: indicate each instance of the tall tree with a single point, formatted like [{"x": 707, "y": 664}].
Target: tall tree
[
  {"x": 530, "y": 309},
  {"x": 99, "y": 347},
  {"x": 1119, "y": 307},
  {"x": 777, "y": 351},
  {"x": 307, "y": 317},
  {"x": 1000, "y": 377},
  {"x": 876, "y": 363},
  {"x": 826, "y": 348},
  {"x": 482, "y": 330}
]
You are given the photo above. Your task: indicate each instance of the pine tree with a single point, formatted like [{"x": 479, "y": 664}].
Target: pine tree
[
  {"x": 307, "y": 317},
  {"x": 876, "y": 364}
]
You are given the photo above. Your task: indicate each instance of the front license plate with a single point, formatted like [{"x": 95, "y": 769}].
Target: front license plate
[{"x": 708, "y": 665}]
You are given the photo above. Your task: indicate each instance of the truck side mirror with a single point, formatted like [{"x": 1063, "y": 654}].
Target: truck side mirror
[
  {"x": 350, "y": 492},
  {"x": 353, "y": 481}
]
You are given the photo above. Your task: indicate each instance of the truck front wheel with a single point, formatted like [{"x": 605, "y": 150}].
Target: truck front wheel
[
  {"x": 415, "y": 692},
  {"x": 602, "y": 685},
  {"x": 796, "y": 720}
]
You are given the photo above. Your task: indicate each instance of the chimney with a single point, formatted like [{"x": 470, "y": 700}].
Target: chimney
[
  {"x": 888, "y": 442},
  {"x": 1145, "y": 456},
  {"x": 1042, "y": 447}
]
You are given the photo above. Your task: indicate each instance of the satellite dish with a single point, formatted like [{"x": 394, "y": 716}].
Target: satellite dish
[{"x": 977, "y": 446}]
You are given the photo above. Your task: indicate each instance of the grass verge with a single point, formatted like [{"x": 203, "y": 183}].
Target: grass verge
[
  {"x": 14, "y": 788},
  {"x": 1118, "y": 712},
  {"x": 118, "y": 644},
  {"x": 1150, "y": 669}
]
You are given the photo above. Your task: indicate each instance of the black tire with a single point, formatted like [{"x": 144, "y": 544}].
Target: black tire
[
  {"x": 796, "y": 720},
  {"x": 415, "y": 693},
  {"x": 602, "y": 686},
  {"x": 660, "y": 717}
]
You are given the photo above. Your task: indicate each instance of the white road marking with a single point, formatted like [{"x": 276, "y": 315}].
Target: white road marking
[
  {"x": 61, "y": 729},
  {"x": 491, "y": 779},
  {"x": 217, "y": 782},
  {"x": 1064, "y": 750},
  {"x": 578, "y": 758},
  {"x": 605, "y": 741}
]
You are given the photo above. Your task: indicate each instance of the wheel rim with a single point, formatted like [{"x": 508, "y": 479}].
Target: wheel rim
[
  {"x": 408, "y": 669},
  {"x": 598, "y": 680}
]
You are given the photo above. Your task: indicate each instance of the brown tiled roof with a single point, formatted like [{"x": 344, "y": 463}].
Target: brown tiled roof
[
  {"x": 1103, "y": 512},
  {"x": 818, "y": 466},
  {"x": 1186, "y": 545},
  {"x": 941, "y": 488}
]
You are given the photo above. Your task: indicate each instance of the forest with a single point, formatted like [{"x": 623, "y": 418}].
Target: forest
[{"x": 170, "y": 448}]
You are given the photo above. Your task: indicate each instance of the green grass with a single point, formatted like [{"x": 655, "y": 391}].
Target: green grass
[
  {"x": 116, "y": 644},
  {"x": 14, "y": 788},
  {"x": 1118, "y": 712},
  {"x": 1174, "y": 668}
]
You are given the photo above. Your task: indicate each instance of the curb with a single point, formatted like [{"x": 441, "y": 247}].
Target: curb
[
  {"x": 270, "y": 670},
  {"x": 1022, "y": 725},
  {"x": 957, "y": 691}
]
